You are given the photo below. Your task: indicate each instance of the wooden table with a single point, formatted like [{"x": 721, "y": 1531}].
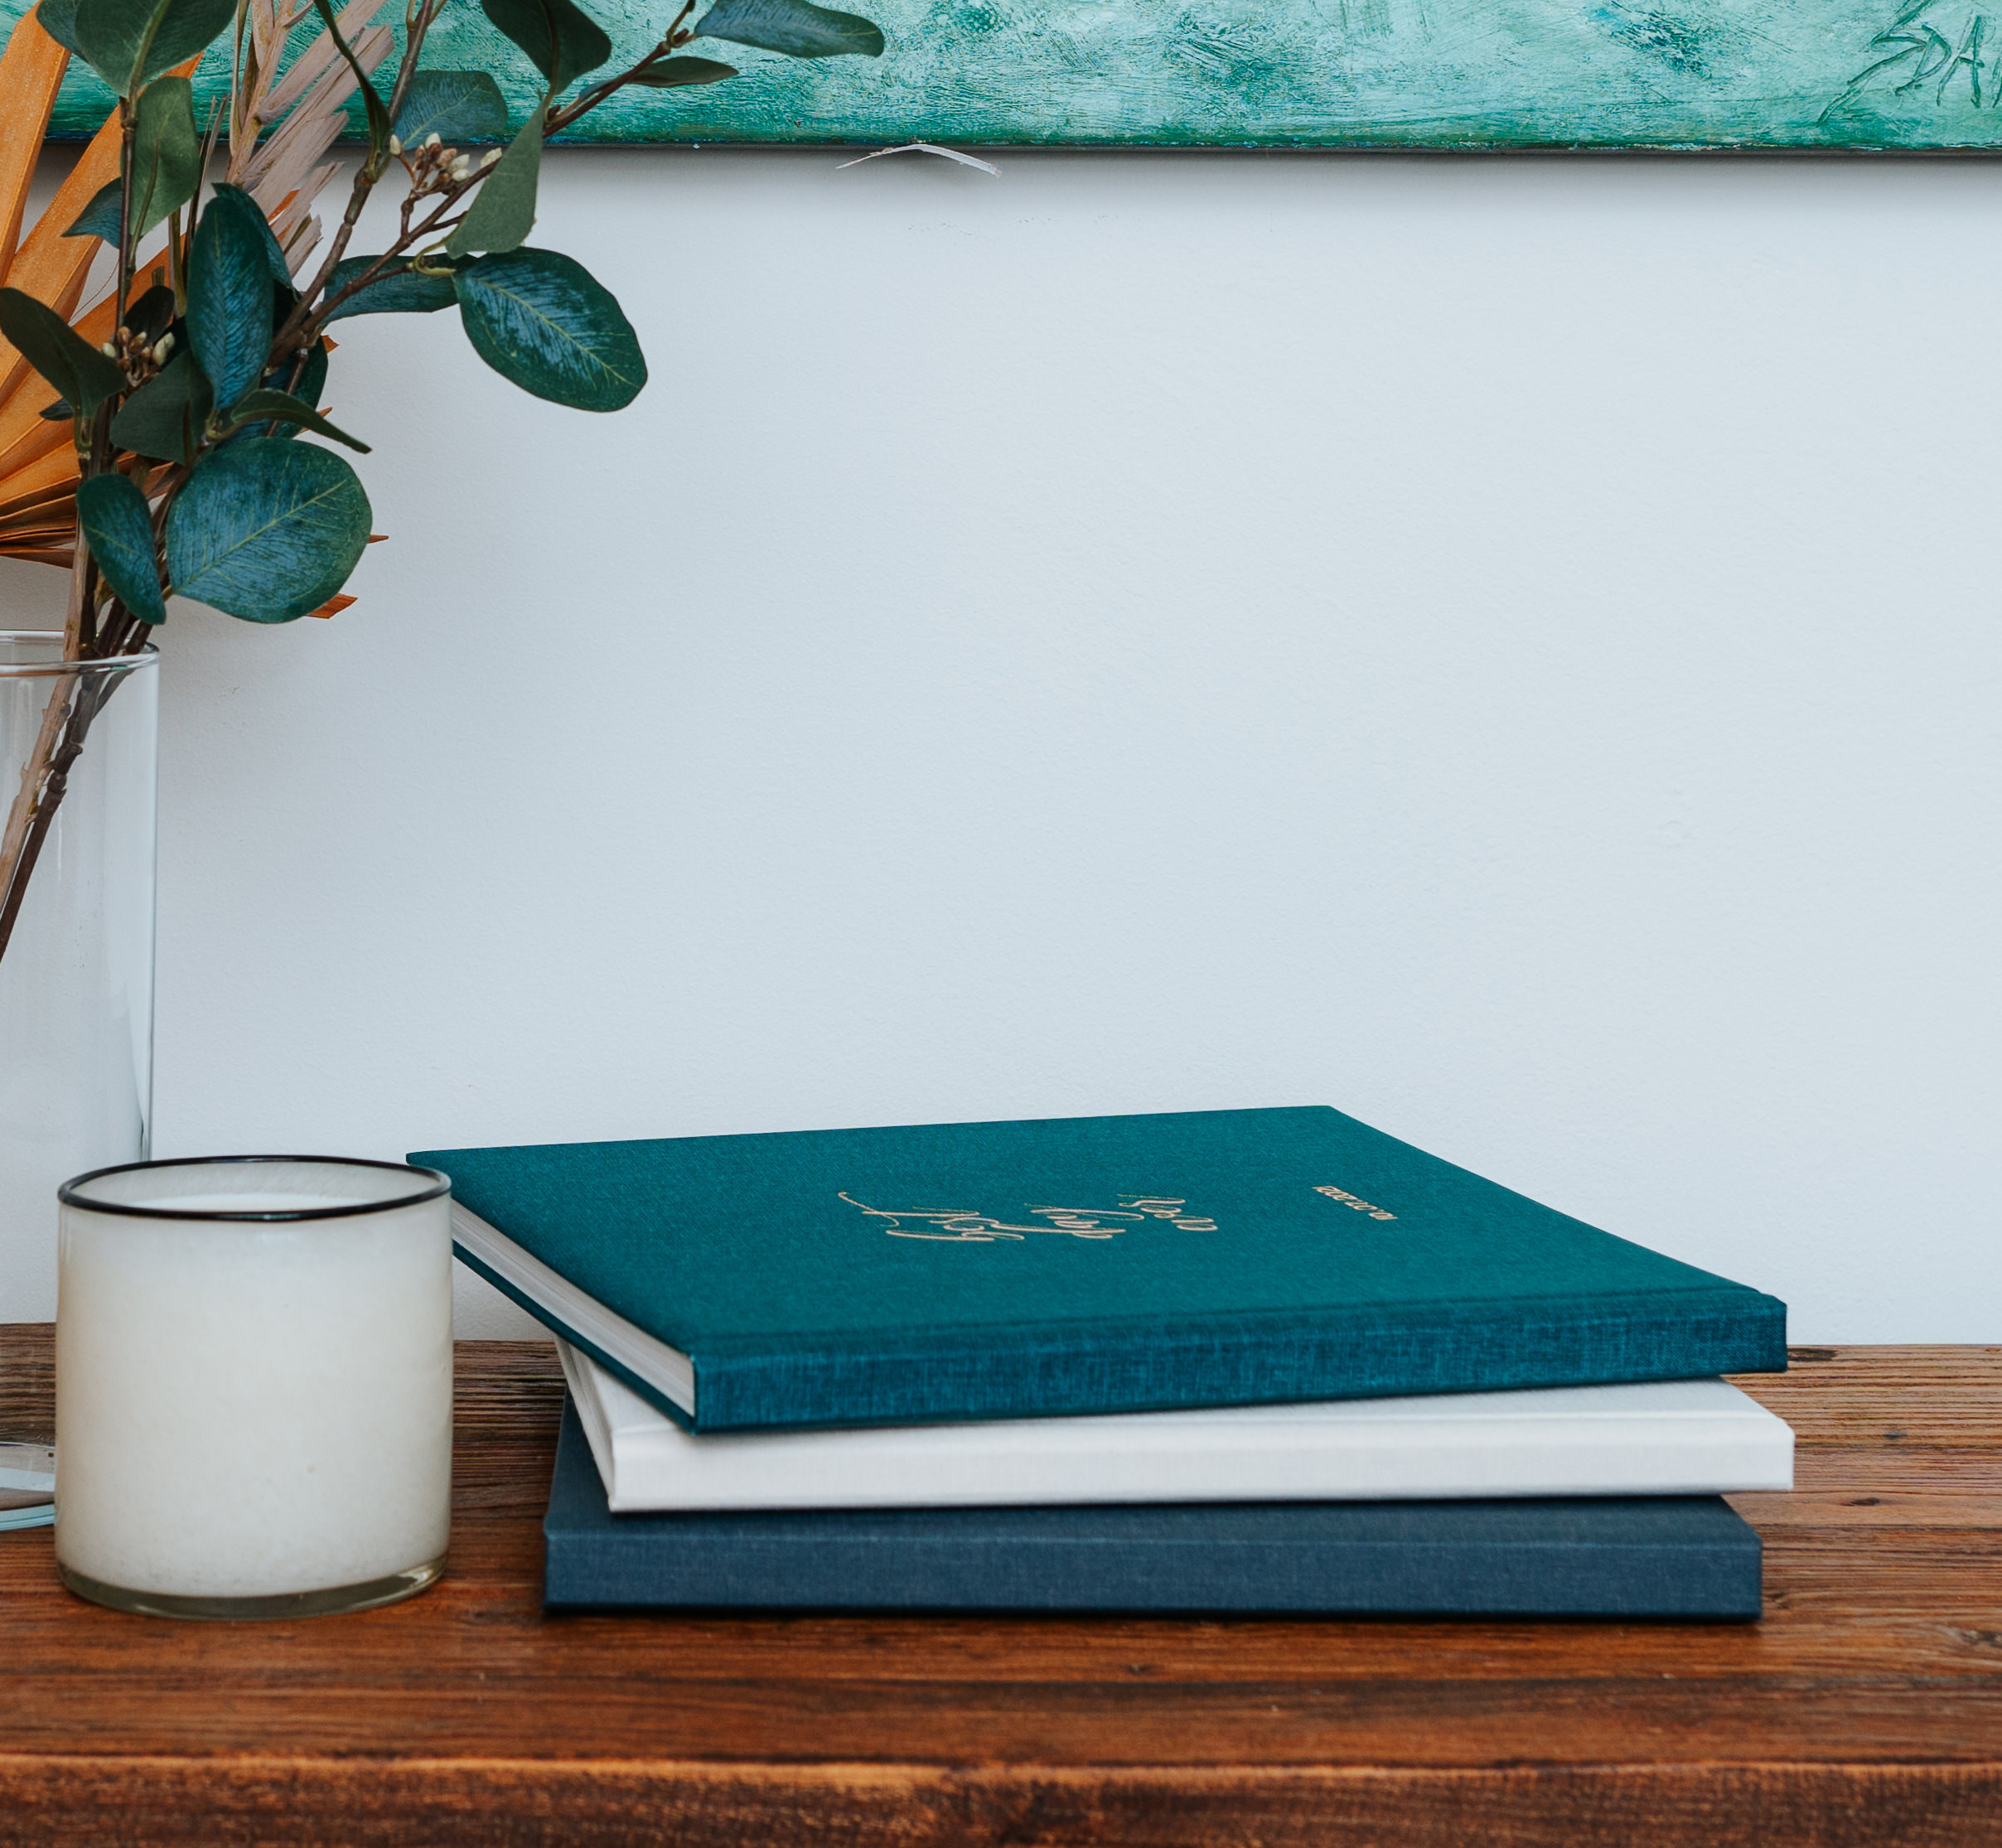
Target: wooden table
[{"x": 1866, "y": 1709}]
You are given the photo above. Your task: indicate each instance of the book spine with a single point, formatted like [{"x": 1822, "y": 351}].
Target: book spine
[
  {"x": 1126, "y": 1366},
  {"x": 1525, "y": 1578}
]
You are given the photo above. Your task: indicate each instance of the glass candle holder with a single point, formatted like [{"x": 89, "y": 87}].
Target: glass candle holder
[{"x": 254, "y": 1385}]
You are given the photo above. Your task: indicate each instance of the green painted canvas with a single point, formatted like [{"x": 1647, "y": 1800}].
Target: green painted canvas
[{"x": 1915, "y": 75}]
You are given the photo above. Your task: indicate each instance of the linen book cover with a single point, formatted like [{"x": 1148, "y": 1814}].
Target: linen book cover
[
  {"x": 1073, "y": 1265},
  {"x": 1676, "y": 1555}
]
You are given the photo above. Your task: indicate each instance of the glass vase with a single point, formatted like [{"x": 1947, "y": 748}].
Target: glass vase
[{"x": 77, "y": 812}]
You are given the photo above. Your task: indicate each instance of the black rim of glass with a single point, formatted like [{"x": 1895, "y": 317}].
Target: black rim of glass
[{"x": 441, "y": 1184}]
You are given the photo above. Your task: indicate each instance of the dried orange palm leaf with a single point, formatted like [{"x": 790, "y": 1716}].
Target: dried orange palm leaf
[
  {"x": 316, "y": 59},
  {"x": 43, "y": 436},
  {"x": 30, "y": 72},
  {"x": 283, "y": 161},
  {"x": 48, "y": 524},
  {"x": 39, "y": 540},
  {"x": 41, "y": 485},
  {"x": 296, "y": 228},
  {"x": 35, "y": 485},
  {"x": 305, "y": 110}
]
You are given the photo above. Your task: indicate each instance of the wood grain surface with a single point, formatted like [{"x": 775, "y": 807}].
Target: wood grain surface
[{"x": 1866, "y": 1709}]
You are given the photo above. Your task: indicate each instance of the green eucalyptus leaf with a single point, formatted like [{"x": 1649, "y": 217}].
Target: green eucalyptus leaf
[
  {"x": 671, "y": 73},
  {"x": 149, "y": 315},
  {"x": 166, "y": 153},
  {"x": 281, "y": 407},
  {"x": 503, "y": 210},
  {"x": 129, "y": 42},
  {"x": 562, "y": 40},
  {"x": 119, "y": 526},
  {"x": 58, "y": 352},
  {"x": 58, "y": 19},
  {"x": 253, "y": 214},
  {"x": 267, "y": 529},
  {"x": 100, "y": 217},
  {"x": 457, "y": 106},
  {"x": 164, "y": 418},
  {"x": 796, "y": 28},
  {"x": 542, "y": 320},
  {"x": 398, "y": 290},
  {"x": 229, "y": 300}
]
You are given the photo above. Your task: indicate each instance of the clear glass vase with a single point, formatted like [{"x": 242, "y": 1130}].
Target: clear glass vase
[{"x": 77, "y": 776}]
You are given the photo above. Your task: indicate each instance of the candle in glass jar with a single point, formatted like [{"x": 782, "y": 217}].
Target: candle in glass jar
[{"x": 254, "y": 1385}]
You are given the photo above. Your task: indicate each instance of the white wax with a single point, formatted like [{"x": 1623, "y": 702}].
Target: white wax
[{"x": 245, "y": 1410}]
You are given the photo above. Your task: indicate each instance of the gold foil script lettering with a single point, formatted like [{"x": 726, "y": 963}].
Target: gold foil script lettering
[
  {"x": 1353, "y": 1204},
  {"x": 959, "y": 1225}
]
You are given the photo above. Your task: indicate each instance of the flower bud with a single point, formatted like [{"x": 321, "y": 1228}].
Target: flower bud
[
  {"x": 434, "y": 139},
  {"x": 396, "y": 145}
]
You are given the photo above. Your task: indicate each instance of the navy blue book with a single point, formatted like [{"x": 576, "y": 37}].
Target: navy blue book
[
  {"x": 1687, "y": 1556},
  {"x": 1078, "y": 1265}
]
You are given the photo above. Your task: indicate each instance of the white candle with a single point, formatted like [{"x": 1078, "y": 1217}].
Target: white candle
[{"x": 254, "y": 1416}]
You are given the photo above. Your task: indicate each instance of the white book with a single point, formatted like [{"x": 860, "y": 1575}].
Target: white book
[{"x": 1673, "y": 1437}]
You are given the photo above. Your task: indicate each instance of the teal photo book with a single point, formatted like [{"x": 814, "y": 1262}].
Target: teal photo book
[{"x": 1072, "y": 1265}]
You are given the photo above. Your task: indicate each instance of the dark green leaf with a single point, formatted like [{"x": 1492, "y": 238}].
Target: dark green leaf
[
  {"x": 61, "y": 412},
  {"x": 671, "y": 73},
  {"x": 151, "y": 314},
  {"x": 281, "y": 407},
  {"x": 128, "y": 42},
  {"x": 229, "y": 302},
  {"x": 267, "y": 529},
  {"x": 164, "y": 418},
  {"x": 796, "y": 28},
  {"x": 398, "y": 290},
  {"x": 58, "y": 352},
  {"x": 503, "y": 210},
  {"x": 253, "y": 214},
  {"x": 457, "y": 106},
  {"x": 166, "y": 153},
  {"x": 116, "y": 520},
  {"x": 562, "y": 41},
  {"x": 58, "y": 19},
  {"x": 542, "y": 320},
  {"x": 100, "y": 217},
  {"x": 372, "y": 102}
]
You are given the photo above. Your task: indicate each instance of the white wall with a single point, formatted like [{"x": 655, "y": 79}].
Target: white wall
[{"x": 1508, "y": 647}]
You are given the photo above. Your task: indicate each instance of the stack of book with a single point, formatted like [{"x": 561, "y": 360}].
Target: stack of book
[
  {"x": 27, "y": 1486},
  {"x": 1262, "y": 1360}
]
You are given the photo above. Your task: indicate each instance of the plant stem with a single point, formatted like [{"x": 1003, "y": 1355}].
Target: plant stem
[{"x": 44, "y": 778}]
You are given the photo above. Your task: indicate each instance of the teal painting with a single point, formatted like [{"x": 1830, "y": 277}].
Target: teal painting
[{"x": 1925, "y": 75}]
